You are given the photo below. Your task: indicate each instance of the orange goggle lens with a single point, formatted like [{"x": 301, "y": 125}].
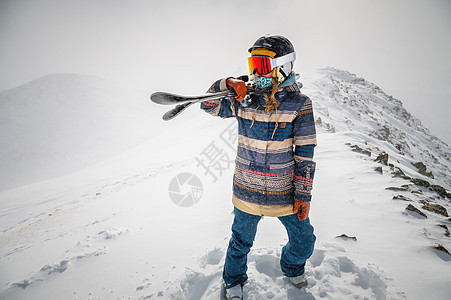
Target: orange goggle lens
[{"x": 261, "y": 64}]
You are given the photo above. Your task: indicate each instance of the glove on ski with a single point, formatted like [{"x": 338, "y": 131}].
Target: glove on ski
[
  {"x": 302, "y": 208},
  {"x": 239, "y": 87}
]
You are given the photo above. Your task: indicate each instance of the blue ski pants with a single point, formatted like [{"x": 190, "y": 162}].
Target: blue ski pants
[{"x": 295, "y": 253}]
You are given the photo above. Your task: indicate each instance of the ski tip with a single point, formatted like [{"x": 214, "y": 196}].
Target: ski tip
[
  {"x": 156, "y": 97},
  {"x": 169, "y": 115}
]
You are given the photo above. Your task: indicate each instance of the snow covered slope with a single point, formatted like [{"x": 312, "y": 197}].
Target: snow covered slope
[
  {"x": 111, "y": 230},
  {"x": 61, "y": 123}
]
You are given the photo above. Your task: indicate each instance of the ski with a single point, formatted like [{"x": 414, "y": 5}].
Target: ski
[
  {"x": 183, "y": 102},
  {"x": 171, "y": 114},
  {"x": 190, "y": 100},
  {"x": 165, "y": 98}
]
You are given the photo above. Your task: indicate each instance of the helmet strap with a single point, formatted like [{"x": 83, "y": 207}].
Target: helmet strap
[{"x": 281, "y": 76}]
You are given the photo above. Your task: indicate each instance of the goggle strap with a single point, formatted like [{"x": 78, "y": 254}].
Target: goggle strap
[{"x": 280, "y": 61}]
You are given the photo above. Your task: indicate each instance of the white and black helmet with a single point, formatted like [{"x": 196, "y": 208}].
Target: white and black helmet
[{"x": 281, "y": 46}]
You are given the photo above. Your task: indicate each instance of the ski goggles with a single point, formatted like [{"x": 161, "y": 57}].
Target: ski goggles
[{"x": 264, "y": 64}]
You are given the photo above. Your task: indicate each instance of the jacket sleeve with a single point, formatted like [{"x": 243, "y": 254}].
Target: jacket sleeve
[
  {"x": 304, "y": 135},
  {"x": 224, "y": 108}
]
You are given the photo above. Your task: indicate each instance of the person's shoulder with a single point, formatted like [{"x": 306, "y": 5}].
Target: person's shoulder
[
  {"x": 298, "y": 98},
  {"x": 302, "y": 96}
]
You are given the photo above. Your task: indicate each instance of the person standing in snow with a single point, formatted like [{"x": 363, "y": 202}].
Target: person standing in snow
[{"x": 271, "y": 178}]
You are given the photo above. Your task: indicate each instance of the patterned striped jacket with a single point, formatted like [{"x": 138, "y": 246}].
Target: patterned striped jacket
[{"x": 269, "y": 173}]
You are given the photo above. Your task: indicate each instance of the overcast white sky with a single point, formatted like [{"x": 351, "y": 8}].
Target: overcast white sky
[{"x": 403, "y": 46}]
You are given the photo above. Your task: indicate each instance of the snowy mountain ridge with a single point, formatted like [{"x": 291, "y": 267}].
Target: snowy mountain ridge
[
  {"x": 61, "y": 123},
  {"x": 111, "y": 231},
  {"x": 345, "y": 102}
]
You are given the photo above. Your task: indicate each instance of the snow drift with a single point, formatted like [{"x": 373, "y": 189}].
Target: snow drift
[{"x": 110, "y": 229}]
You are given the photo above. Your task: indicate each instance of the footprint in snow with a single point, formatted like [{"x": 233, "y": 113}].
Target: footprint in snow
[
  {"x": 331, "y": 275},
  {"x": 54, "y": 268}
]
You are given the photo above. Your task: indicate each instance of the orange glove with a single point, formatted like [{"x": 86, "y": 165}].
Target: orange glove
[
  {"x": 304, "y": 209},
  {"x": 238, "y": 86}
]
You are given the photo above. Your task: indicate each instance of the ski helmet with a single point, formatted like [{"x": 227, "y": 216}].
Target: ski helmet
[{"x": 280, "y": 46}]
